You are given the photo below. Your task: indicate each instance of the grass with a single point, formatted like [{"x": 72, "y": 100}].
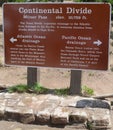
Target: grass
[
  {"x": 18, "y": 88},
  {"x": 21, "y": 88},
  {"x": 89, "y": 125},
  {"x": 61, "y": 92},
  {"x": 86, "y": 91},
  {"x": 38, "y": 89}
]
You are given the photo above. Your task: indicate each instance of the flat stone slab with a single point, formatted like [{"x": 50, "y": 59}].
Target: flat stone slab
[
  {"x": 60, "y": 116},
  {"x": 99, "y": 118},
  {"x": 21, "y": 114},
  {"x": 55, "y": 110},
  {"x": 78, "y": 116},
  {"x": 43, "y": 112}
]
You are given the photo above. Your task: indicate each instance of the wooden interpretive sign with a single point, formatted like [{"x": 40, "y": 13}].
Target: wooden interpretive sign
[{"x": 73, "y": 35}]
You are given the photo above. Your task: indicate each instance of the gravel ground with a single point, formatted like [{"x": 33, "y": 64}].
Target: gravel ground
[{"x": 6, "y": 125}]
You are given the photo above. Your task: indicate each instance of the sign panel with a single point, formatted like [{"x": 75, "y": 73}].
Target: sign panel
[{"x": 72, "y": 35}]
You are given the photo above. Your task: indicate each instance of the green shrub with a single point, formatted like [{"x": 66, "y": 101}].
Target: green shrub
[
  {"x": 16, "y": 0},
  {"x": 37, "y": 88},
  {"x": 86, "y": 91}
]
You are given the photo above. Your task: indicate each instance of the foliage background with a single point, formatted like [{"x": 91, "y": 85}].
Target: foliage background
[{"x": 109, "y": 1}]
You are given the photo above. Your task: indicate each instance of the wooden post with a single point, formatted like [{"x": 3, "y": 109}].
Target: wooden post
[
  {"x": 33, "y": 76},
  {"x": 75, "y": 83}
]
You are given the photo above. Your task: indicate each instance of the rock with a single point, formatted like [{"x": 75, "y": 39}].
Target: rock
[
  {"x": 43, "y": 117},
  {"x": 82, "y": 102},
  {"x": 26, "y": 115},
  {"x": 36, "y": 102},
  {"x": 21, "y": 114},
  {"x": 2, "y": 110},
  {"x": 99, "y": 118},
  {"x": 60, "y": 116},
  {"x": 78, "y": 116},
  {"x": 2, "y": 105},
  {"x": 93, "y": 103},
  {"x": 11, "y": 96},
  {"x": 17, "y": 129},
  {"x": 12, "y": 102},
  {"x": 2, "y": 89},
  {"x": 76, "y": 126},
  {"x": 1, "y": 28},
  {"x": 11, "y": 113},
  {"x": 45, "y": 109},
  {"x": 27, "y": 118},
  {"x": 68, "y": 101},
  {"x": 111, "y": 23}
]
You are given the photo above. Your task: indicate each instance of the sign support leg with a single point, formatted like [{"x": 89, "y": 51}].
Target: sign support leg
[
  {"x": 75, "y": 83},
  {"x": 33, "y": 76}
]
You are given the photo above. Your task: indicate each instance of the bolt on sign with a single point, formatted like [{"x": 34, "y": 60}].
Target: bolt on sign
[{"x": 73, "y": 35}]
